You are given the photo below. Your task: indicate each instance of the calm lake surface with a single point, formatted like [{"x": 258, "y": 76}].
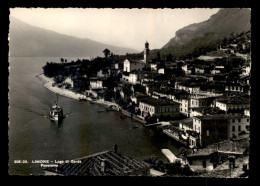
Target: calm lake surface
[{"x": 32, "y": 136}]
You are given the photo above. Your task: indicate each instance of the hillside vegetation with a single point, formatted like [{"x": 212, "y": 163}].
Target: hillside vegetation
[{"x": 31, "y": 41}]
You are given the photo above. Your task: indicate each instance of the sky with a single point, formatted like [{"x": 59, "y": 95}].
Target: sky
[{"x": 129, "y": 28}]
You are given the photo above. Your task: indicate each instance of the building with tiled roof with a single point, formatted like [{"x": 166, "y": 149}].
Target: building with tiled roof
[
  {"x": 107, "y": 163},
  {"x": 130, "y": 65},
  {"x": 151, "y": 106},
  {"x": 213, "y": 128},
  {"x": 215, "y": 157},
  {"x": 190, "y": 87},
  {"x": 231, "y": 104},
  {"x": 200, "y": 111},
  {"x": 224, "y": 171}
]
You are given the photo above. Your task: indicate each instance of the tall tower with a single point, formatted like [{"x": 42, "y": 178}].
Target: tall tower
[{"x": 146, "y": 52}]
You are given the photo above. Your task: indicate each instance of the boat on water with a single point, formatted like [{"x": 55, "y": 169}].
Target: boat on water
[{"x": 56, "y": 112}]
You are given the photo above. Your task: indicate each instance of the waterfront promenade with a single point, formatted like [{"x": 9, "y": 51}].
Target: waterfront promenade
[{"x": 47, "y": 82}]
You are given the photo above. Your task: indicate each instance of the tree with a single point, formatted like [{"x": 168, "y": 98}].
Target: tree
[
  {"x": 158, "y": 55},
  {"x": 106, "y": 53},
  {"x": 169, "y": 57}
]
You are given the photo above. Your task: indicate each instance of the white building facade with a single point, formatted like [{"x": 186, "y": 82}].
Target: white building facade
[{"x": 130, "y": 66}]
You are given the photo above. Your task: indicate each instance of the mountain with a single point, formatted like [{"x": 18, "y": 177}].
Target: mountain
[
  {"x": 221, "y": 24},
  {"x": 30, "y": 41}
]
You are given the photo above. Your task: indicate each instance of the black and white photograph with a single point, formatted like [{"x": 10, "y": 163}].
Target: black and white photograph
[{"x": 129, "y": 92}]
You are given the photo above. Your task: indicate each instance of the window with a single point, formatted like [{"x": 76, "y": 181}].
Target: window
[
  {"x": 233, "y": 128},
  {"x": 233, "y": 120},
  {"x": 207, "y": 133},
  {"x": 247, "y": 120},
  {"x": 239, "y": 120},
  {"x": 239, "y": 128},
  {"x": 247, "y": 127}
]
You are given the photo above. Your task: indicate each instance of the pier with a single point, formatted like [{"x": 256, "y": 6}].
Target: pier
[
  {"x": 151, "y": 124},
  {"x": 134, "y": 116}
]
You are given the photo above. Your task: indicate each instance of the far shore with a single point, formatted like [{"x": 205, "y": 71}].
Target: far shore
[{"x": 47, "y": 82}]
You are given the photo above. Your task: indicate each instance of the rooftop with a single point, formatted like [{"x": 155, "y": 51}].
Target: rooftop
[
  {"x": 233, "y": 100},
  {"x": 207, "y": 110},
  {"x": 116, "y": 164},
  {"x": 134, "y": 61},
  {"x": 189, "y": 84},
  {"x": 236, "y": 146},
  {"x": 221, "y": 116},
  {"x": 169, "y": 90},
  {"x": 223, "y": 170},
  {"x": 186, "y": 121},
  {"x": 97, "y": 78},
  {"x": 157, "y": 102},
  {"x": 232, "y": 84}
]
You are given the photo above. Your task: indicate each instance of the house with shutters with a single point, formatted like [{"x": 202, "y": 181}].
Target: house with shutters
[
  {"x": 218, "y": 127},
  {"x": 157, "y": 107}
]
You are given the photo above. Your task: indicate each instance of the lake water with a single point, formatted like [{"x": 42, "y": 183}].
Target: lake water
[{"x": 32, "y": 136}]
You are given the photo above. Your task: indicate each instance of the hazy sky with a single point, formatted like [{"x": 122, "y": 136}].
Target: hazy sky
[{"x": 120, "y": 27}]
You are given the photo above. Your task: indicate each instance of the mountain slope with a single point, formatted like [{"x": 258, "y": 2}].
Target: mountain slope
[
  {"x": 222, "y": 24},
  {"x": 30, "y": 41}
]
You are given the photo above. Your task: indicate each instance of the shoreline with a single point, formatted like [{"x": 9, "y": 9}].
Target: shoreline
[{"x": 47, "y": 83}]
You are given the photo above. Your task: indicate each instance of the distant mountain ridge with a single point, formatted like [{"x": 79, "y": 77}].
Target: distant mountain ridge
[
  {"x": 222, "y": 24},
  {"x": 30, "y": 41}
]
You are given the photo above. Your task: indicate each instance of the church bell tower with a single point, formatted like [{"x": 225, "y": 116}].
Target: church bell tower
[{"x": 146, "y": 52}]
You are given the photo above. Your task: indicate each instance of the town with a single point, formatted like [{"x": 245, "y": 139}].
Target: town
[{"x": 202, "y": 102}]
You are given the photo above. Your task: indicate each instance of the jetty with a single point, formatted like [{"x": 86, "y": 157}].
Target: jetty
[
  {"x": 151, "y": 124},
  {"x": 141, "y": 120}
]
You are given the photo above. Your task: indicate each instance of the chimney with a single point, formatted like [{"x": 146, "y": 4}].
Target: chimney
[
  {"x": 245, "y": 167},
  {"x": 103, "y": 166},
  {"x": 115, "y": 148}
]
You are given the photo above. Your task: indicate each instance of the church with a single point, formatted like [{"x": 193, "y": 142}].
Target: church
[{"x": 131, "y": 65}]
